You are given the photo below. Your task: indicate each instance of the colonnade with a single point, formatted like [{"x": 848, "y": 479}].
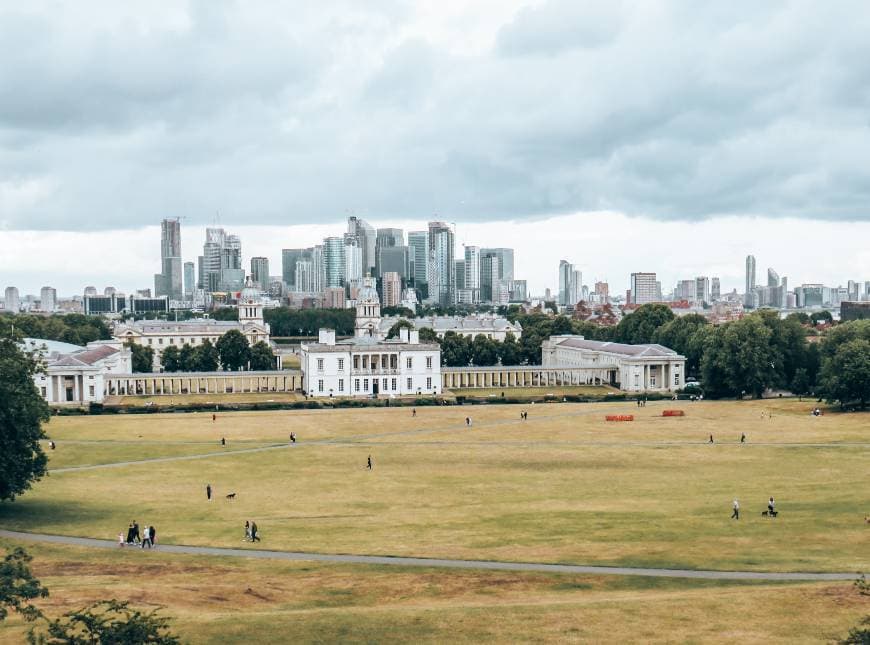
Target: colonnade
[
  {"x": 168, "y": 383},
  {"x": 488, "y": 377}
]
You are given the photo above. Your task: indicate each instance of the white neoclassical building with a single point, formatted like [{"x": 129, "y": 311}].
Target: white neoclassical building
[
  {"x": 76, "y": 375},
  {"x": 365, "y": 366},
  {"x": 633, "y": 368},
  {"x": 160, "y": 334}
]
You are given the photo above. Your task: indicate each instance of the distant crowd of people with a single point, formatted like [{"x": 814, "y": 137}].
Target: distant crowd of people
[{"x": 147, "y": 537}]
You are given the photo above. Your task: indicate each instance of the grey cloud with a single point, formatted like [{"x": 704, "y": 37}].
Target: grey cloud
[{"x": 276, "y": 116}]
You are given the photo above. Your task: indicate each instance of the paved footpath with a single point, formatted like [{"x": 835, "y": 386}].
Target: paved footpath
[{"x": 439, "y": 562}]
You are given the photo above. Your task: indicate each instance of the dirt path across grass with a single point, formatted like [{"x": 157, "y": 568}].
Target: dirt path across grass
[{"x": 439, "y": 562}]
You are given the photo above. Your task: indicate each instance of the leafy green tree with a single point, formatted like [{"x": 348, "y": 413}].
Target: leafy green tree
[
  {"x": 399, "y": 325},
  {"x": 801, "y": 384},
  {"x": 739, "y": 358},
  {"x": 428, "y": 335},
  {"x": 800, "y": 317},
  {"x": 639, "y": 327},
  {"x": 225, "y": 313},
  {"x": 185, "y": 358},
  {"x": 262, "y": 358},
  {"x": 22, "y": 413},
  {"x": 397, "y": 311},
  {"x": 509, "y": 351},
  {"x": 205, "y": 357},
  {"x": 484, "y": 351},
  {"x": 846, "y": 374},
  {"x": 455, "y": 350},
  {"x": 142, "y": 357},
  {"x": 821, "y": 317},
  {"x": 18, "y": 586},
  {"x": 307, "y": 322},
  {"x": 685, "y": 335},
  {"x": 170, "y": 359},
  {"x": 234, "y": 350},
  {"x": 108, "y": 621},
  {"x": 858, "y": 635}
]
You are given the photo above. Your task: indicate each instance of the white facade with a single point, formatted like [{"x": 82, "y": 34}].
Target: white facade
[
  {"x": 634, "y": 368},
  {"x": 365, "y": 366},
  {"x": 489, "y": 325},
  {"x": 75, "y": 375}
]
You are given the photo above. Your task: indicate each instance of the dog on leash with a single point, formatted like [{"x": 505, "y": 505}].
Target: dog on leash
[
  {"x": 769, "y": 513},
  {"x": 231, "y": 496}
]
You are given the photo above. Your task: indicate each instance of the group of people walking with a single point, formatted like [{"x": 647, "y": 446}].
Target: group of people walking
[
  {"x": 148, "y": 536},
  {"x": 251, "y": 532},
  {"x": 771, "y": 509}
]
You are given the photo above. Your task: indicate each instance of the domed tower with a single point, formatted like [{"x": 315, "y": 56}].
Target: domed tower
[
  {"x": 250, "y": 305},
  {"x": 368, "y": 313}
]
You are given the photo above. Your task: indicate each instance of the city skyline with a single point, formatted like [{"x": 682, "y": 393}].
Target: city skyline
[{"x": 576, "y": 239}]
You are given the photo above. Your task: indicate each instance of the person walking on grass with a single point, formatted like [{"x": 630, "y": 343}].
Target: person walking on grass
[
  {"x": 711, "y": 439},
  {"x": 146, "y": 537},
  {"x": 413, "y": 412},
  {"x": 742, "y": 437},
  {"x": 153, "y": 533},
  {"x": 369, "y": 463},
  {"x": 254, "y": 536},
  {"x": 735, "y": 515},
  {"x": 771, "y": 505},
  {"x": 208, "y": 492},
  {"x": 247, "y": 531},
  {"x": 136, "y": 537}
]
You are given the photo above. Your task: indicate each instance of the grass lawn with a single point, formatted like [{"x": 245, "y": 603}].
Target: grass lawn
[
  {"x": 229, "y": 601},
  {"x": 536, "y": 392},
  {"x": 564, "y": 486}
]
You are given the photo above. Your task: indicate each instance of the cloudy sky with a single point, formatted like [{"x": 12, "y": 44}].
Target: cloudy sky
[{"x": 623, "y": 136}]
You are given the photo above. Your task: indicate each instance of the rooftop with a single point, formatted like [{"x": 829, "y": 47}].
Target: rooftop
[{"x": 651, "y": 350}]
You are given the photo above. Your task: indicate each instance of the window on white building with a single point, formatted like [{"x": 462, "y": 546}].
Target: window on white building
[
  {"x": 393, "y": 388},
  {"x": 159, "y": 341},
  {"x": 91, "y": 390},
  {"x": 356, "y": 362},
  {"x": 44, "y": 392},
  {"x": 429, "y": 383},
  {"x": 410, "y": 384},
  {"x": 340, "y": 364},
  {"x": 636, "y": 380},
  {"x": 320, "y": 385},
  {"x": 676, "y": 379},
  {"x": 319, "y": 364},
  {"x": 356, "y": 385},
  {"x": 428, "y": 362},
  {"x": 150, "y": 341},
  {"x": 171, "y": 341},
  {"x": 385, "y": 385},
  {"x": 341, "y": 385},
  {"x": 366, "y": 384},
  {"x": 409, "y": 362},
  {"x": 365, "y": 361}
]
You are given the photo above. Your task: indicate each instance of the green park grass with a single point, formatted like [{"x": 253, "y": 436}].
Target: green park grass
[
  {"x": 213, "y": 600},
  {"x": 563, "y": 486}
]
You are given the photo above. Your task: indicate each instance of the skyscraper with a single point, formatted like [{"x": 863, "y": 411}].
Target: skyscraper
[
  {"x": 418, "y": 259},
  {"x": 643, "y": 288},
  {"x": 367, "y": 240},
  {"x": 387, "y": 238},
  {"x": 702, "y": 290},
  {"x": 772, "y": 278},
  {"x": 48, "y": 299},
  {"x": 567, "y": 286},
  {"x": 505, "y": 261},
  {"x": 189, "y": 280},
  {"x": 334, "y": 261},
  {"x": 13, "y": 303},
  {"x": 460, "y": 274},
  {"x": 490, "y": 269},
  {"x": 472, "y": 269},
  {"x": 392, "y": 288},
  {"x": 715, "y": 290},
  {"x": 168, "y": 281},
  {"x": 353, "y": 259},
  {"x": 750, "y": 280},
  {"x": 260, "y": 272},
  {"x": 442, "y": 279}
]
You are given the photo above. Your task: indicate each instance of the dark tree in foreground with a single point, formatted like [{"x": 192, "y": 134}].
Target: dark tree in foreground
[
  {"x": 18, "y": 586},
  {"x": 170, "y": 359},
  {"x": 22, "y": 413},
  {"x": 859, "y": 635},
  {"x": 262, "y": 358},
  {"x": 846, "y": 375},
  {"x": 204, "y": 358},
  {"x": 234, "y": 350},
  {"x": 142, "y": 357},
  {"x": 107, "y": 621}
]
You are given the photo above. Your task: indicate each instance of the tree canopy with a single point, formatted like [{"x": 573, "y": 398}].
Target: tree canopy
[
  {"x": 234, "y": 350},
  {"x": 22, "y": 413},
  {"x": 77, "y": 329},
  {"x": 142, "y": 357},
  {"x": 640, "y": 326},
  {"x": 18, "y": 586},
  {"x": 262, "y": 358}
]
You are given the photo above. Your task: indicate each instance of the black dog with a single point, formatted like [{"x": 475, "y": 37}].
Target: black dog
[
  {"x": 231, "y": 496},
  {"x": 769, "y": 513}
]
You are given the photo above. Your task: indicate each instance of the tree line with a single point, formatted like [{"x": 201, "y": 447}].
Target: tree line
[
  {"x": 231, "y": 352},
  {"x": 745, "y": 357},
  {"x": 76, "y": 329}
]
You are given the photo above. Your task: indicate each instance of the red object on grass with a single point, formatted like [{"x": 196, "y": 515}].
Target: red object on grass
[
  {"x": 673, "y": 413},
  {"x": 619, "y": 417}
]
